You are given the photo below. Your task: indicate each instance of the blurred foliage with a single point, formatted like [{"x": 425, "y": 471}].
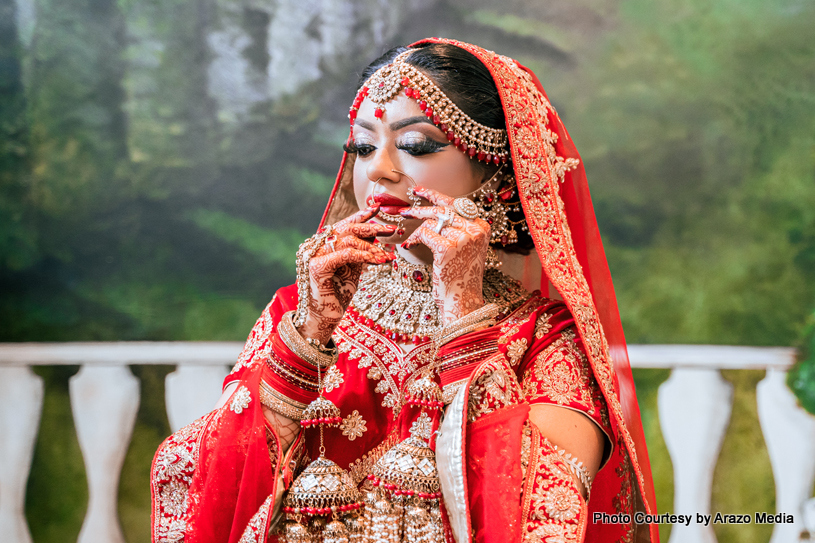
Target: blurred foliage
[{"x": 153, "y": 187}]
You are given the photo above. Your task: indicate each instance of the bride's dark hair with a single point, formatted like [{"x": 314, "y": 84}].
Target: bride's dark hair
[{"x": 468, "y": 83}]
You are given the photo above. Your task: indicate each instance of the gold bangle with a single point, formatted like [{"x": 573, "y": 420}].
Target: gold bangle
[
  {"x": 279, "y": 403},
  {"x": 300, "y": 346}
]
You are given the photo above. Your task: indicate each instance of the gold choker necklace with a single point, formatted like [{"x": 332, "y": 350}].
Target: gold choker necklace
[{"x": 397, "y": 299}]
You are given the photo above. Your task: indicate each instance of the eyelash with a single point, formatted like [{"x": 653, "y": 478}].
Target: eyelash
[{"x": 424, "y": 147}]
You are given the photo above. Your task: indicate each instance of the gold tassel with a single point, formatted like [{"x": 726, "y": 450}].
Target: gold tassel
[
  {"x": 335, "y": 532},
  {"x": 297, "y": 533}
]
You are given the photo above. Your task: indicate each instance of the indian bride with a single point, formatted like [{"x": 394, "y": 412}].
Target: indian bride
[{"x": 450, "y": 364}]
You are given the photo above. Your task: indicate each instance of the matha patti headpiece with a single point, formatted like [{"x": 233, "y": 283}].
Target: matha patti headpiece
[{"x": 475, "y": 139}]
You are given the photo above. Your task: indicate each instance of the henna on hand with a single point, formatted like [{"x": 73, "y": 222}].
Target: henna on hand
[
  {"x": 459, "y": 255},
  {"x": 334, "y": 275}
]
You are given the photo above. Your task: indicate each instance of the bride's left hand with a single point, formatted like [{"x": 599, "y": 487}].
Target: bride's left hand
[{"x": 459, "y": 253}]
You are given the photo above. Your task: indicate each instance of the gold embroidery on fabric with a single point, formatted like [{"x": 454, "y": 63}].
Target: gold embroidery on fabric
[
  {"x": 623, "y": 502},
  {"x": 562, "y": 374},
  {"x": 370, "y": 351},
  {"x": 172, "y": 472},
  {"x": 552, "y": 503},
  {"x": 333, "y": 378},
  {"x": 256, "y": 527},
  {"x": 240, "y": 400},
  {"x": 542, "y": 326},
  {"x": 516, "y": 350},
  {"x": 494, "y": 386},
  {"x": 353, "y": 426},
  {"x": 513, "y": 323}
]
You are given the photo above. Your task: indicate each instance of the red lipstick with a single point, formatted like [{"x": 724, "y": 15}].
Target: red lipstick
[{"x": 388, "y": 204}]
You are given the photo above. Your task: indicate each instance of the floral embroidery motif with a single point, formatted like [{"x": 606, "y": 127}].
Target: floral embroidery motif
[
  {"x": 494, "y": 386},
  {"x": 353, "y": 426},
  {"x": 542, "y": 326},
  {"x": 172, "y": 469},
  {"x": 256, "y": 528},
  {"x": 516, "y": 350},
  {"x": 240, "y": 400},
  {"x": 562, "y": 375},
  {"x": 561, "y": 503},
  {"x": 422, "y": 427},
  {"x": 333, "y": 378},
  {"x": 553, "y": 509}
]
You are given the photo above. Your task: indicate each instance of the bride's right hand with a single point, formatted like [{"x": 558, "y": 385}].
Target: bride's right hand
[{"x": 334, "y": 275}]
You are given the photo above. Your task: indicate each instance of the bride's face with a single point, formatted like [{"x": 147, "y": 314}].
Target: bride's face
[{"x": 405, "y": 140}]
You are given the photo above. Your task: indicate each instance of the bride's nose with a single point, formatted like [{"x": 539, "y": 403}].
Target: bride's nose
[{"x": 382, "y": 167}]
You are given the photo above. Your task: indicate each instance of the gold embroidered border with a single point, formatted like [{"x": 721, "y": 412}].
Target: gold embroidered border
[{"x": 528, "y": 113}]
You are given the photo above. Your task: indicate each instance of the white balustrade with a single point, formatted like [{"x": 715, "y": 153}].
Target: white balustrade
[
  {"x": 789, "y": 432},
  {"x": 694, "y": 409},
  {"x": 104, "y": 401},
  {"x": 21, "y": 394},
  {"x": 192, "y": 391}
]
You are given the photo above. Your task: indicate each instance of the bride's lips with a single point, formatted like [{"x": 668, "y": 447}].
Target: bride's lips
[{"x": 387, "y": 203}]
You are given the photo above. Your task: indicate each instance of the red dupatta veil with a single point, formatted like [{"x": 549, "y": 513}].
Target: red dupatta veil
[{"x": 555, "y": 197}]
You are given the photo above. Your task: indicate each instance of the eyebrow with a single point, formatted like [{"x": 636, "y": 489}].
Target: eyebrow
[{"x": 396, "y": 125}]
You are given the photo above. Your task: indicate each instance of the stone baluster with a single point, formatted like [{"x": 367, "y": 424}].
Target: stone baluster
[
  {"x": 694, "y": 409},
  {"x": 21, "y": 394},
  {"x": 789, "y": 432},
  {"x": 104, "y": 400},
  {"x": 192, "y": 391}
]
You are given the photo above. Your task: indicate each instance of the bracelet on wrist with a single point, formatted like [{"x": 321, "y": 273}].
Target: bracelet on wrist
[{"x": 302, "y": 347}]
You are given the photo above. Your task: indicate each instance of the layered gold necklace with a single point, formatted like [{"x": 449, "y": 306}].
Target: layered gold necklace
[{"x": 397, "y": 299}]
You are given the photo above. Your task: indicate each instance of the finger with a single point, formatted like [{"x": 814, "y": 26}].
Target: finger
[
  {"x": 364, "y": 215},
  {"x": 434, "y": 196},
  {"x": 368, "y": 229},
  {"x": 455, "y": 220},
  {"x": 333, "y": 261},
  {"x": 357, "y": 243},
  {"x": 427, "y": 212},
  {"x": 426, "y": 235}
]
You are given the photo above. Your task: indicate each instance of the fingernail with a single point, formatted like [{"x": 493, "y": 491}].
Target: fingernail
[
  {"x": 391, "y": 256},
  {"x": 405, "y": 245},
  {"x": 381, "y": 259},
  {"x": 390, "y": 226}
]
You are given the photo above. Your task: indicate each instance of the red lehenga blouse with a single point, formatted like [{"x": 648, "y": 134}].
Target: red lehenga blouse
[{"x": 220, "y": 478}]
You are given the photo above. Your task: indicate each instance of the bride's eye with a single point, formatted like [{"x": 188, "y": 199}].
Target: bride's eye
[
  {"x": 360, "y": 149},
  {"x": 418, "y": 146}
]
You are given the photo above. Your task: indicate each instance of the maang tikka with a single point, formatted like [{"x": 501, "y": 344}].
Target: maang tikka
[{"x": 478, "y": 141}]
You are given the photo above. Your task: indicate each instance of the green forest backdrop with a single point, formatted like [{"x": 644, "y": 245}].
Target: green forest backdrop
[{"x": 160, "y": 161}]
